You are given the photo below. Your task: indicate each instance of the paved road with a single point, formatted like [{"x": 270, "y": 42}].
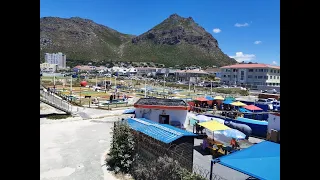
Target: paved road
[{"x": 72, "y": 150}]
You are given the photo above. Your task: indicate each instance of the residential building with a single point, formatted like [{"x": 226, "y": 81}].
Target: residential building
[
  {"x": 143, "y": 71},
  {"x": 56, "y": 58},
  {"x": 48, "y": 68},
  {"x": 214, "y": 71},
  {"x": 190, "y": 75},
  {"x": 256, "y": 74}
]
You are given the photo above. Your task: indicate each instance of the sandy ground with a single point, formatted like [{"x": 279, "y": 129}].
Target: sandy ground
[{"x": 74, "y": 149}]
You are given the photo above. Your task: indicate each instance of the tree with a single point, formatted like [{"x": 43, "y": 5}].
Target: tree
[{"x": 122, "y": 152}]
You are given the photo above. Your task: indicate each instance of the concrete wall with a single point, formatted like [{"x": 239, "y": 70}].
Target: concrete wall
[{"x": 153, "y": 115}]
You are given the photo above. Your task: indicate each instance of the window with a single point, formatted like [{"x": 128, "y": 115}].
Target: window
[
  {"x": 235, "y": 70},
  {"x": 249, "y": 76},
  {"x": 228, "y": 75},
  {"x": 256, "y": 70},
  {"x": 265, "y": 70},
  {"x": 279, "y": 71},
  {"x": 234, "y": 76},
  {"x": 260, "y": 77},
  {"x": 256, "y": 77},
  {"x": 271, "y": 71},
  {"x": 270, "y": 77},
  {"x": 250, "y": 70},
  {"x": 266, "y": 77},
  {"x": 224, "y": 75},
  {"x": 260, "y": 70},
  {"x": 278, "y": 77}
]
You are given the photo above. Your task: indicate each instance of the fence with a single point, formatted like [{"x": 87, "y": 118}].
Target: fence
[{"x": 51, "y": 99}]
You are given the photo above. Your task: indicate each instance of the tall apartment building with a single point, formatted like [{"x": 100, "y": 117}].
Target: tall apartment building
[
  {"x": 56, "y": 58},
  {"x": 251, "y": 74}
]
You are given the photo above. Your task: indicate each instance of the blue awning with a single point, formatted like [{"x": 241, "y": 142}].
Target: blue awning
[
  {"x": 227, "y": 102},
  {"x": 162, "y": 132},
  {"x": 261, "y": 161},
  {"x": 210, "y": 98}
]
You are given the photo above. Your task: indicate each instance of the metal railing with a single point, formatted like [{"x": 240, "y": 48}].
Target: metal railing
[{"x": 52, "y": 100}]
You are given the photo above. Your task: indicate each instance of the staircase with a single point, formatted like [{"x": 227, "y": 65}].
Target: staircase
[{"x": 55, "y": 101}]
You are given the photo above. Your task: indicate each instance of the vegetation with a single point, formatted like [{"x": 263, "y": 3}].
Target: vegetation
[
  {"x": 122, "y": 152},
  {"x": 162, "y": 168},
  {"x": 84, "y": 41}
]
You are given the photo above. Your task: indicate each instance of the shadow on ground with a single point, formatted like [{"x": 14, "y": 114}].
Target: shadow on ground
[
  {"x": 54, "y": 116},
  {"x": 202, "y": 152}
]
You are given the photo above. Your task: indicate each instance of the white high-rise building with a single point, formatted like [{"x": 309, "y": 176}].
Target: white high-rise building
[{"x": 56, "y": 58}]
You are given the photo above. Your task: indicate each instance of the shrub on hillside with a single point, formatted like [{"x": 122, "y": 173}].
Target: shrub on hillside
[{"x": 122, "y": 151}]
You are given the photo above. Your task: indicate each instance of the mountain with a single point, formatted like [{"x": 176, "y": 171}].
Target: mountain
[
  {"x": 80, "y": 39},
  {"x": 175, "y": 41}
]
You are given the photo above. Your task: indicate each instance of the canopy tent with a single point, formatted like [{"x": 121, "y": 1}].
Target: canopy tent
[
  {"x": 227, "y": 102},
  {"x": 209, "y": 98},
  {"x": 129, "y": 111},
  {"x": 218, "y": 98},
  {"x": 261, "y": 161},
  {"x": 232, "y": 133},
  {"x": 243, "y": 110},
  {"x": 253, "y": 108},
  {"x": 238, "y": 103},
  {"x": 202, "y": 118},
  {"x": 230, "y": 98},
  {"x": 214, "y": 126},
  {"x": 201, "y": 99}
]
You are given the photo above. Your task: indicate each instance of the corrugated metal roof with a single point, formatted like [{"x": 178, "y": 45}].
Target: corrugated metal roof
[
  {"x": 261, "y": 161},
  {"x": 162, "y": 132}
]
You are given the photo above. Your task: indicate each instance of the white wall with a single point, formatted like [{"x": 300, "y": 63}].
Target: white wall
[
  {"x": 273, "y": 122},
  {"x": 153, "y": 115}
]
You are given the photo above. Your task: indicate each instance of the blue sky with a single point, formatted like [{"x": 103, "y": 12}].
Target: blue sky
[{"x": 246, "y": 29}]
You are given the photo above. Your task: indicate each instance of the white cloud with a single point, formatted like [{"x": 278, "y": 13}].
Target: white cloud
[
  {"x": 257, "y": 42},
  {"x": 274, "y": 63},
  {"x": 241, "y": 25},
  {"x": 243, "y": 57},
  {"x": 216, "y": 30}
]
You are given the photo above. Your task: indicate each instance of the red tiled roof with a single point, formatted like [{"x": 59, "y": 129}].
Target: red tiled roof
[{"x": 235, "y": 66}]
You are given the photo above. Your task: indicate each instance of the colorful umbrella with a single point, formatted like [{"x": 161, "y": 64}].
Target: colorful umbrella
[
  {"x": 201, "y": 99},
  {"x": 238, "y": 103},
  {"x": 218, "y": 98},
  {"x": 232, "y": 133},
  {"x": 202, "y": 118}
]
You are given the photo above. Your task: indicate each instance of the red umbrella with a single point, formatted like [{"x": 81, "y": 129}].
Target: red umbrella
[
  {"x": 252, "y": 108},
  {"x": 201, "y": 99}
]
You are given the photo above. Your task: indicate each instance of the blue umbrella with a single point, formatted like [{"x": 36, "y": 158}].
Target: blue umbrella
[
  {"x": 129, "y": 111},
  {"x": 209, "y": 98},
  {"x": 232, "y": 133}
]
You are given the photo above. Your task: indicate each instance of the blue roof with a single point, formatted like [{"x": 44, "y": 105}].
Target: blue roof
[
  {"x": 261, "y": 161},
  {"x": 243, "y": 110},
  {"x": 227, "y": 101},
  {"x": 247, "y": 120},
  {"x": 162, "y": 132}
]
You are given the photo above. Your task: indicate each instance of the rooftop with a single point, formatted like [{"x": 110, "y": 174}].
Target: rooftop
[
  {"x": 162, "y": 132},
  {"x": 235, "y": 66},
  {"x": 261, "y": 161},
  {"x": 161, "y": 102}
]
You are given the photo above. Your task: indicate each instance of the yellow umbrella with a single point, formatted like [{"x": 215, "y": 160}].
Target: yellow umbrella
[
  {"x": 238, "y": 103},
  {"x": 214, "y": 126},
  {"x": 218, "y": 98}
]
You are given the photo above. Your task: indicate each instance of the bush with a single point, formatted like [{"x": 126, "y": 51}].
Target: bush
[
  {"x": 122, "y": 152},
  {"x": 162, "y": 168}
]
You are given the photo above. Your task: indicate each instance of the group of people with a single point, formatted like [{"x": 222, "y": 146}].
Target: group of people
[{"x": 117, "y": 96}]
